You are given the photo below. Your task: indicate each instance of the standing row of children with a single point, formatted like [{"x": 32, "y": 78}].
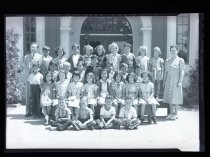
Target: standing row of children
[{"x": 94, "y": 90}]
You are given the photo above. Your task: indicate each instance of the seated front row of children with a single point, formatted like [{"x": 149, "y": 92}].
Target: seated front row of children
[{"x": 84, "y": 116}]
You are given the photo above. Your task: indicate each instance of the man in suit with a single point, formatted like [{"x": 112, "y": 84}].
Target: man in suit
[{"x": 75, "y": 57}]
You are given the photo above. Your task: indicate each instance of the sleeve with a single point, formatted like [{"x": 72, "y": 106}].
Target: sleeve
[
  {"x": 96, "y": 87},
  {"x": 121, "y": 114},
  {"x": 162, "y": 61},
  {"x": 113, "y": 111},
  {"x": 181, "y": 64},
  {"x": 134, "y": 114},
  {"x": 102, "y": 111},
  {"x": 68, "y": 111},
  {"x": 90, "y": 111}
]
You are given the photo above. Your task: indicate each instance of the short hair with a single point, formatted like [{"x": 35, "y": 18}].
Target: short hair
[
  {"x": 45, "y": 75},
  {"x": 113, "y": 44},
  {"x": 84, "y": 98},
  {"x": 75, "y": 45},
  {"x": 86, "y": 47},
  {"x": 132, "y": 74},
  {"x": 128, "y": 97},
  {"x": 92, "y": 75},
  {"x": 76, "y": 73},
  {"x": 109, "y": 97},
  {"x": 123, "y": 65},
  {"x": 103, "y": 49},
  {"x": 46, "y": 48},
  {"x": 61, "y": 71},
  {"x": 148, "y": 74},
  {"x": 67, "y": 64},
  {"x": 117, "y": 73},
  {"x": 142, "y": 48},
  {"x": 157, "y": 49},
  {"x": 174, "y": 46},
  {"x": 53, "y": 63},
  {"x": 59, "y": 49},
  {"x": 35, "y": 65},
  {"x": 127, "y": 45},
  {"x": 35, "y": 43}
]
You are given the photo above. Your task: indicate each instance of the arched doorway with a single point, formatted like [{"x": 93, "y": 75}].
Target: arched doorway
[{"x": 104, "y": 30}]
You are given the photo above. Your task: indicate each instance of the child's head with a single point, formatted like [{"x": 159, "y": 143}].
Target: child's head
[
  {"x": 143, "y": 50},
  {"x": 128, "y": 101},
  {"x": 83, "y": 102},
  {"x": 80, "y": 65},
  {"x": 34, "y": 47},
  {"x": 104, "y": 74},
  {"x": 35, "y": 68},
  {"x": 48, "y": 77},
  {"x": 94, "y": 59},
  {"x": 88, "y": 50},
  {"x": 46, "y": 50},
  {"x": 62, "y": 75},
  {"x": 124, "y": 67},
  {"x": 53, "y": 66},
  {"x": 59, "y": 51},
  {"x": 130, "y": 77},
  {"x": 75, "y": 49},
  {"x": 90, "y": 78},
  {"x": 108, "y": 100},
  {"x": 76, "y": 76},
  {"x": 157, "y": 51},
  {"x": 113, "y": 48},
  {"x": 100, "y": 50},
  {"x": 146, "y": 76},
  {"x": 66, "y": 66},
  {"x": 138, "y": 70},
  {"x": 109, "y": 66},
  {"x": 127, "y": 48},
  {"x": 61, "y": 103},
  {"x": 118, "y": 77}
]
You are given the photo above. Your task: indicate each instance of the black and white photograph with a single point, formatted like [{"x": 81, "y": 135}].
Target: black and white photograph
[{"x": 102, "y": 81}]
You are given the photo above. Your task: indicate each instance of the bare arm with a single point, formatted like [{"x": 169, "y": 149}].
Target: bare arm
[{"x": 89, "y": 120}]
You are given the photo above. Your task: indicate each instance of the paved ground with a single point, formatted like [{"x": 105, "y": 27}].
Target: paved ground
[{"x": 31, "y": 133}]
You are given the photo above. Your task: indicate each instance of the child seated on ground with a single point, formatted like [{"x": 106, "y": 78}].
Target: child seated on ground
[
  {"x": 107, "y": 114},
  {"x": 62, "y": 116},
  {"x": 128, "y": 116},
  {"x": 84, "y": 116}
]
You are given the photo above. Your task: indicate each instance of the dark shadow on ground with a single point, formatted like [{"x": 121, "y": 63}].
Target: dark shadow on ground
[
  {"x": 18, "y": 116},
  {"x": 35, "y": 122}
]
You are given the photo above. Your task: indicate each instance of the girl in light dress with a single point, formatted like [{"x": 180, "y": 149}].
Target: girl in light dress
[
  {"x": 118, "y": 91},
  {"x": 131, "y": 89},
  {"x": 74, "y": 89},
  {"x": 47, "y": 96},
  {"x": 60, "y": 59},
  {"x": 66, "y": 68},
  {"x": 90, "y": 90},
  {"x": 142, "y": 60},
  {"x": 157, "y": 68},
  {"x": 146, "y": 90},
  {"x": 53, "y": 69}
]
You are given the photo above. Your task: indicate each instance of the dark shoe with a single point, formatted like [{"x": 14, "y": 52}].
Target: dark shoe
[
  {"x": 141, "y": 119},
  {"x": 154, "y": 119},
  {"x": 28, "y": 115}
]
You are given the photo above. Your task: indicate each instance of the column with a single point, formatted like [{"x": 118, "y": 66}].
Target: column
[
  {"x": 40, "y": 32},
  {"x": 147, "y": 39}
]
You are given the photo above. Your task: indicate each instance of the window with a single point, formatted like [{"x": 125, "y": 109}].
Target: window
[
  {"x": 183, "y": 34},
  {"x": 106, "y": 25},
  {"x": 29, "y": 35}
]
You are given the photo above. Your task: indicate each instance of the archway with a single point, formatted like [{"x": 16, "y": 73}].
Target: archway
[{"x": 104, "y": 30}]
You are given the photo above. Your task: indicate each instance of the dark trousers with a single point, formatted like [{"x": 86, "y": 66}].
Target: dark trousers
[{"x": 35, "y": 100}]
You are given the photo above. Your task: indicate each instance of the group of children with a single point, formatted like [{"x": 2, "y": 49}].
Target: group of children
[{"x": 96, "y": 90}]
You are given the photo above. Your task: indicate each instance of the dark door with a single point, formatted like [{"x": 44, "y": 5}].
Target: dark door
[
  {"x": 52, "y": 33},
  {"x": 159, "y": 34}
]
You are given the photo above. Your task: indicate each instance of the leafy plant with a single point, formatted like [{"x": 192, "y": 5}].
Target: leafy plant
[{"x": 14, "y": 90}]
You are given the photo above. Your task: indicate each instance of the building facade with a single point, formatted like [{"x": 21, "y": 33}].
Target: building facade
[{"x": 152, "y": 31}]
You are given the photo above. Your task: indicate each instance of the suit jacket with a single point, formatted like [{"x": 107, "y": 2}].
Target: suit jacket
[{"x": 70, "y": 60}]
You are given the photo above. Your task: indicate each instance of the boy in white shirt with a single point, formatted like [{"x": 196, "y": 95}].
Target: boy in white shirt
[{"x": 35, "y": 80}]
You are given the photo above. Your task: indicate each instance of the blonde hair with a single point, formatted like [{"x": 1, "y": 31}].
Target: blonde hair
[
  {"x": 142, "y": 48},
  {"x": 157, "y": 49},
  {"x": 88, "y": 47},
  {"x": 113, "y": 44}
]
